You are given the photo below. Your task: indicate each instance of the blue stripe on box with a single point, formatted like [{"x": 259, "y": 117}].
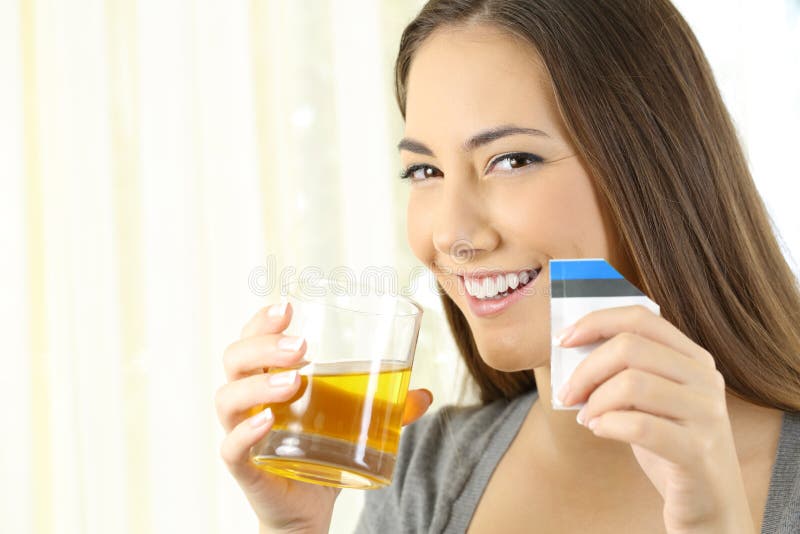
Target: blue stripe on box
[{"x": 582, "y": 269}]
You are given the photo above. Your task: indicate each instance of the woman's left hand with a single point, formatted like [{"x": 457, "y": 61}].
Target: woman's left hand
[{"x": 651, "y": 386}]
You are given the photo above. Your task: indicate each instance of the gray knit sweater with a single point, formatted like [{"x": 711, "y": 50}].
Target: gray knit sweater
[{"x": 446, "y": 458}]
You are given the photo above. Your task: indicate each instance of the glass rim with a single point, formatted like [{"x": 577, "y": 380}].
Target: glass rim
[{"x": 291, "y": 292}]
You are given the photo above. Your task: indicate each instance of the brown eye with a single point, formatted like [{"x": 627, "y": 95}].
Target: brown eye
[
  {"x": 419, "y": 173},
  {"x": 514, "y": 161}
]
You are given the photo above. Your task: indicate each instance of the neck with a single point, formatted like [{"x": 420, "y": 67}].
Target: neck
[{"x": 563, "y": 441}]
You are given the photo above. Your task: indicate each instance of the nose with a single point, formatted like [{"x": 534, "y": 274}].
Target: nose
[{"x": 462, "y": 228}]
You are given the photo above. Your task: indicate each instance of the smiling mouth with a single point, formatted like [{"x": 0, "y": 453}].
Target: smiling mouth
[{"x": 499, "y": 286}]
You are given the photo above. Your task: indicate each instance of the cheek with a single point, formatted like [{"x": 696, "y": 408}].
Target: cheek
[
  {"x": 419, "y": 230},
  {"x": 558, "y": 215},
  {"x": 582, "y": 215}
]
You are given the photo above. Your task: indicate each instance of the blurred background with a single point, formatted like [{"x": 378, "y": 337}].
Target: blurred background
[{"x": 162, "y": 159}]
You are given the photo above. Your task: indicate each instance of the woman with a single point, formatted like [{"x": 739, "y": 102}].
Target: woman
[{"x": 540, "y": 129}]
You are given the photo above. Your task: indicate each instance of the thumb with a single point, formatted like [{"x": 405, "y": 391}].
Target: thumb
[{"x": 417, "y": 403}]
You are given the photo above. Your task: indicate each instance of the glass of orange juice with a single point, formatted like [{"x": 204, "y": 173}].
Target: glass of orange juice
[{"x": 342, "y": 427}]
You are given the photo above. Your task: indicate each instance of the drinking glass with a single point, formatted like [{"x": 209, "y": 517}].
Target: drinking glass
[{"x": 342, "y": 427}]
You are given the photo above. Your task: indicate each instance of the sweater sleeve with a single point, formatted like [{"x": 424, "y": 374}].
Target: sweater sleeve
[{"x": 436, "y": 456}]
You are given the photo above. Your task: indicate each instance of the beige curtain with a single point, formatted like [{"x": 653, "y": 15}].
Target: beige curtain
[
  {"x": 160, "y": 160},
  {"x": 159, "y": 157}
]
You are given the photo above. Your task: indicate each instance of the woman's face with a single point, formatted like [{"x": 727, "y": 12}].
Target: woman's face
[{"x": 507, "y": 202}]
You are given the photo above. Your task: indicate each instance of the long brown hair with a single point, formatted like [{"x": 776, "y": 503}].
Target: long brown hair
[{"x": 643, "y": 110}]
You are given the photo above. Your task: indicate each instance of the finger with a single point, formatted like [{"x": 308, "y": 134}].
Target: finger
[
  {"x": 235, "y": 452},
  {"x": 252, "y": 355},
  {"x": 631, "y": 351},
  {"x": 666, "y": 438},
  {"x": 417, "y": 403},
  {"x": 235, "y": 399},
  {"x": 270, "y": 319},
  {"x": 637, "y": 319},
  {"x": 633, "y": 389}
]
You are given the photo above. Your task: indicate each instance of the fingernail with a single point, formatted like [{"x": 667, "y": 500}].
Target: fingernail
[
  {"x": 284, "y": 378},
  {"x": 261, "y": 418},
  {"x": 581, "y": 412},
  {"x": 429, "y": 395},
  {"x": 290, "y": 343},
  {"x": 277, "y": 310},
  {"x": 562, "y": 393},
  {"x": 563, "y": 336}
]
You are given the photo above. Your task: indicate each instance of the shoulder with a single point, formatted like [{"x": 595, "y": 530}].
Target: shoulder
[
  {"x": 451, "y": 435},
  {"x": 449, "y": 432},
  {"x": 436, "y": 456}
]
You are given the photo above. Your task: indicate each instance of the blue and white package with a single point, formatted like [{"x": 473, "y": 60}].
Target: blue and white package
[{"x": 577, "y": 287}]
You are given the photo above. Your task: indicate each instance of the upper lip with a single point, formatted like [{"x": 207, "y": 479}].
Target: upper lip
[{"x": 479, "y": 274}]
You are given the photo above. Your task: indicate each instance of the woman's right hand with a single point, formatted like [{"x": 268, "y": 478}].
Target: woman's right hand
[{"x": 281, "y": 504}]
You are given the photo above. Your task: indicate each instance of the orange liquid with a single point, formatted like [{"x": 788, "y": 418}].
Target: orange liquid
[{"x": 341, "y": 428}]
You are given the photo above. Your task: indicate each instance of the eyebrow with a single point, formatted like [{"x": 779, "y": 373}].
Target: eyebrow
[{"x": 480, "y": 139}]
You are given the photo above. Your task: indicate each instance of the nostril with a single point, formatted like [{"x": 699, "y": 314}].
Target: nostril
[{"x": 462, "y": 250}]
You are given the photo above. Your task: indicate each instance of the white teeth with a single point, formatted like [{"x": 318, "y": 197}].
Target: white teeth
[
  {"x": 501, "y": 284},
  {"x": 513, "y": 280},
  {"x": 479, "y": 292},
  {"x": 488, "y": 287},
  {"x": 468, "y": 285},
  {"x": 474, "y": 287},
  {"x": 491, "y": 286}
]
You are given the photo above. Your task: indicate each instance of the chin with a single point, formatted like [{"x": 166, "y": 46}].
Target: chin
[{"x": 508, "y": 359}]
